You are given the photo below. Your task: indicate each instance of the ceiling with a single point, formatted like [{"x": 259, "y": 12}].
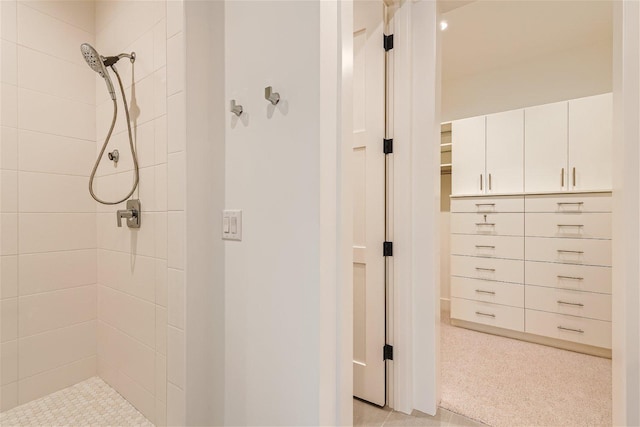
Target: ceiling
[{"x": 488, "y": 34}]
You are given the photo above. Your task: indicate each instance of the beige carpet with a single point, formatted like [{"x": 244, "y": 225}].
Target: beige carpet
[{"x": 505, "y": 382}]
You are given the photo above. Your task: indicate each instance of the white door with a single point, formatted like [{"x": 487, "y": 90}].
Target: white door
[
  {"x": 369, "y": 201},
  {"x": 545, "y": 147},
  {"x": 468, "y": 156},
  {"x": 590, "y": 139},
  {"x": 505, "y": 152}
]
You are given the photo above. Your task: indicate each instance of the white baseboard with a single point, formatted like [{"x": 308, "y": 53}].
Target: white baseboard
[{"x": 445, "y": 304}]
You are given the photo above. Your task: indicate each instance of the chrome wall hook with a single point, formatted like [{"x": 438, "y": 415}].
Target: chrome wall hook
[
  {"x": 271, "y": 96},
  {"x": 236, "y": 108}
]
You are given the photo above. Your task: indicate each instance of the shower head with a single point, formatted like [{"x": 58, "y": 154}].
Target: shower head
[{"x": 96, "y": 62}]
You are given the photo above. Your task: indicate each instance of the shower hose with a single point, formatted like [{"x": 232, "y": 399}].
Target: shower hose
[{"x": 106, "y": 142}]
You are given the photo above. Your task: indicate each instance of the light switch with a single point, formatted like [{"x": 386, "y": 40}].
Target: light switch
[{"x": 232, "y": 225}]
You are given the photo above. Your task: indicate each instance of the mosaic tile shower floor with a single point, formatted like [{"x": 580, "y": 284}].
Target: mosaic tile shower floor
[{"x": 89, "y": 403}]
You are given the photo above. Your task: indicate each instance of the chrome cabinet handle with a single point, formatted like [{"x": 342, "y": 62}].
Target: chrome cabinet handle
[
  {"x": 575, "y": 304},
  {"x": 562, "y": 328},
  {"x": 489, "y": 181},
  {"x": 574, "y": 177},
  {"x": 564, "y": 251},
  {"x": 570, "y": 277},
  {"x": 562, "y": 178},
  {"x": 570, "y": 203},
  {"x": 479, "y": 313},
  {"x": 480, "y": 182},
  {"x": 490, "y": 224},
  {"x": 485, "y": 204},
  {"x": 485, "y": 269},
  {"x": 485, "y": 247},
  {"x": 480, "y": 291},
  {"x": 571, "y": 225}
]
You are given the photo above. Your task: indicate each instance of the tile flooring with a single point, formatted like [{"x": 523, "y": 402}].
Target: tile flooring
[
  {"x": 365, "y": 414},
  {"x": 89, "y": 403}
]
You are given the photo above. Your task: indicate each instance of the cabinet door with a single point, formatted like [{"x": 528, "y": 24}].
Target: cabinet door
[
  {"x": 545, "y": 147},
  {"x": 468, "y": 156},
  {"x": 505, "y": 150},
  {"x": 590, "y": 142}
]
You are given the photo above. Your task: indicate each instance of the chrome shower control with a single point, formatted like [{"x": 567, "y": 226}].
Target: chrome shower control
[
  {"x": 114, "y": 156},
  {"x": 132, "y": 214}
]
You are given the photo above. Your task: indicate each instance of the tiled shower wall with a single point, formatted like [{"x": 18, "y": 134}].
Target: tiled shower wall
[{"x": 48, "y": 228}]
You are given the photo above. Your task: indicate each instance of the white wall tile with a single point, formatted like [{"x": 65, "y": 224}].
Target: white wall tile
[
  {"x": 40, "y": 112},
  {"x": 161, "y": 413},
  {"x": 41, "y": 152},
  {"x": 47, "y": 232},
  {"x": 145, "y": 145},
  {"x": 8, "y": 234},
  {"x": 176, "y": 64},
  {"x": 161, "y": 282},
  {"x": 9, "y": 276},
  {"x": 131, "y": 20},
  {"x": 8, "y": 362},
  {"x": 8, "y": 393},
  {"x": 160, "y": 42},
  {"x": 176, "y": 181},
  {"x": 138, "y": 396},
  {"x": 175, "y": 406},
  {"x": 176, "y": 298},
  {"x": 9, "y": 319},
  {"x": 161, "y": 139},
  {"x": 52, "y": 349},
  {"x": 161, "y": 377},
  {"x": 175, "y": 356},
  {"x": 51, "y": 271},
  {"x": 141, "y": 100},
  {"x": 147, "y": 189},
  {"x": 9, "y": 20},
  {"x": 131, "y": 315},
  {"x": 51, "y": 310},
  {"x": 44, "y": 192},
  {"x": 8, "y": 191},
  {"x": 9, "y": 148},
  {"x": 56, "y": 379},
  {"x": 161, "y": 187},
  {"x": 9, "y": 101},
  {"x": 175, "y": 240},
  {"x": 144, "y": 64},
  {"x": 63, "y": 78},
  {"x": 8, "y": 65},
  {"x": 49, "y": 35},
  {"x": 161, "y": 330},
  {"x": 77, "y": 13},
  {"x": 160, "y": 91},
  {"x": 175, "y": 17},
  {"x": 133, "y": 275}
]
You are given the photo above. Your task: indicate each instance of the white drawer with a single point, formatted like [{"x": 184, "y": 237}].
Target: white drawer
[
  {"x": 574, "y": 303},
  {"x": 511, "y": 247},
  {"x": 501, "y": 270},
  {"x": 576, "y": 225},
  {"x": 496, "y": 224},
  {"x": 488, "y": 205},
  {"x": 500, "y": 316},
  {"x": 589, "y": 202},
  {"x": 567, "y": 276},
  {"x": 484, "y": 290},
  {"x": 569, "y": 328},
  {"x": 572, "y": 251}
]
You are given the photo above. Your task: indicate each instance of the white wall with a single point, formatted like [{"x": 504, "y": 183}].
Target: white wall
[
  {"x": 48, "y": 220},
  {"x": 136, "y": 288},
  {"x": 277, "y": 296},
  {"x": 583, "y": 71}
]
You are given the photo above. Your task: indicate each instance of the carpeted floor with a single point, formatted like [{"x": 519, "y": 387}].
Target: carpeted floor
[{"x": 505, "y": 382}]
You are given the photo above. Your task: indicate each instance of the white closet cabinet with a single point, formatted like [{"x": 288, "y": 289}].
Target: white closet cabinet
[
  {"x": 590, "y": 139},
  {"x": 545, "y": 158},
  {"x": 505, "y": 150},
  {"x": 468, "y": 157}
]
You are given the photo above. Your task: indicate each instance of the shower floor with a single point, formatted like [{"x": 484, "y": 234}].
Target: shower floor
[{"x": 89, "y": 403}]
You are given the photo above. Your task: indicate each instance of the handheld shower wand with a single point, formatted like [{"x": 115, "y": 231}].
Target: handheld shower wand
[{"x": 99, "y": 64}]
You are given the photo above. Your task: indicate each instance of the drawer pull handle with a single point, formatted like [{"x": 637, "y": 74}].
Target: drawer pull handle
[
  {"x": 489, "y": 224},
  {"x": 570, "y": 203},
  {"x": 485, "y": 204},
  {"x": 479, "y": 313},
  {"x": 571, "y": 277},
  {"x": 562, "y": 328},
  {"x": 480, "y": 291},
  {"x": 575, "y": 304},
  {"x": 485, "y": 247},
  {"x": 564, "y": 251},
  {"x": 485, "y": 269},
  {"x": 571, "y": 225}
]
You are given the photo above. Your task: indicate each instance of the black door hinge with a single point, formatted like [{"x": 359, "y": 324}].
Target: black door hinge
[
  {"x": 387, "y": 249},
  {"x": 388, "y": 42},
  {"x": 388, "y": 146},
  {"x": 387, "y": 352}
]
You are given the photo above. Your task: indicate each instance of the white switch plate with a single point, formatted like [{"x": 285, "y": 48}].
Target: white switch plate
[{"x": 232, "y": 225}]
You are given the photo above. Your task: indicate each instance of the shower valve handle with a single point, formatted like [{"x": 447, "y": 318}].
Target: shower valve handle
[{"x": 132, "y": 214}]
